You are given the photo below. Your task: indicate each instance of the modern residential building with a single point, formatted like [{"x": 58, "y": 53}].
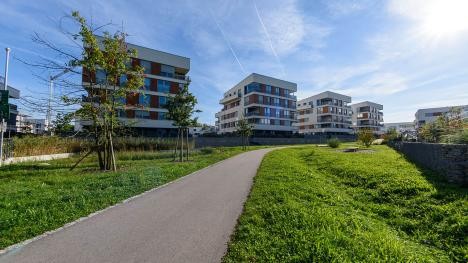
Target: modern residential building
[
  {"x": 399, "y": 126},
  {"x": 325, "y": 113},
  {"x": 165, "y": 74},
  {"x": 13, "y": 94},
  {"x": 268, "y": 103},
  {"x": 424, "y": 116},
  {"x": 367, "y": 115}
]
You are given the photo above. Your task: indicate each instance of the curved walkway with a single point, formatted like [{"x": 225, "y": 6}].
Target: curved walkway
[{"x": 189, "y": 220}]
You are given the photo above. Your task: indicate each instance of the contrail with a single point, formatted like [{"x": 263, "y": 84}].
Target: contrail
[
  {"x": 227, "y": 42},
  {"x": 269, "y": 39}
]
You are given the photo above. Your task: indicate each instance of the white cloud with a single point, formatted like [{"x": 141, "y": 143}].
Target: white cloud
[
  {"x": 339, "y": 8},
  {"x": 378, "y": 84}
]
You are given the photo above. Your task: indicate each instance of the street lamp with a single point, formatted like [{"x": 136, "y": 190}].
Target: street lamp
[{"x": 5, "y": 87}]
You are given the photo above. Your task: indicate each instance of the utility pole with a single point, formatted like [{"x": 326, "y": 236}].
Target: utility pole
[
  {"x": 5, "y": 87},
  {"x": 51, "y": 96}
]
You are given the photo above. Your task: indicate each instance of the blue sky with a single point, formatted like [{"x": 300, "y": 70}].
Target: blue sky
[{"x": 404, "y": 54}]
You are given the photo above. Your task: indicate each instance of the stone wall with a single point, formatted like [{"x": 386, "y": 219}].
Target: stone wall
[
  {"x": 236, "y": 141},
  {"x": 451, "y": 160}
]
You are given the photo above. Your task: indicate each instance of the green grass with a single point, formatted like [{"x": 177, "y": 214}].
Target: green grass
[
  {"x": 313, "y": 204},
  {"x": 35, "y": 198}
]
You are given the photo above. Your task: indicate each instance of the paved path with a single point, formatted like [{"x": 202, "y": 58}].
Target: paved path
[{"x": 189, "y": 220}]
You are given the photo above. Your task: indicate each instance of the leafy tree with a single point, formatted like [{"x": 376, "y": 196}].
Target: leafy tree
[
  {"x": 181, "y": 108},
  {"x": 366, "y": 136},
  {"x": 244, "y": 129},
  {"x": 62, "y": 123},
  {"x": 97, "y": 98},
  {"x": 448, "y": 128},
  {"x": 390, "y": 135}
]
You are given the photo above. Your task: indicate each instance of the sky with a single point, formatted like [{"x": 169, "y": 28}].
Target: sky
[{"x": 404, "y": 54}]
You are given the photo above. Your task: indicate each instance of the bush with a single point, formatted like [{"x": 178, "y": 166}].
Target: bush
[
  {"x": 207, "y": 150},
  {"x": 458, "y": 138},
  {"x": 40, "y": 145},
  {"x": 334, "y": 142},
  {"x": 366, "y": 136}
]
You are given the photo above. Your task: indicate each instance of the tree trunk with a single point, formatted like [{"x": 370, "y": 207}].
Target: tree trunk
[
  {"x": 181, "y": 154},
  {"x": 176, "y": 144},
  {"x": 187, "y": 155}
]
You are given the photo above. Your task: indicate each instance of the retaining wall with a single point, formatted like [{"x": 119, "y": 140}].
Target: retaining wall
[
  {"x": 237, "y": 141},
  {"x": 450, "y": 160}
]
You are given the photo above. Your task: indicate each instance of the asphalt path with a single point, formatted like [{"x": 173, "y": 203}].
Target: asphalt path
[{"x": 188, "y": 220}]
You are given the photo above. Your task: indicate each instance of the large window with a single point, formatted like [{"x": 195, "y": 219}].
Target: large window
[
  {"x": 162, "y": 101},
  {"x": 147, "y": 84},
  {"x": 100, "y": 76},
  {"x": 146, "y": 66},
  {"x": 142, "y": 114},
  {"x": 267, "y": 112},
  {"x": 268, "y": 89},
  {"x": 144, "y": 100},
  {"x": 167, "y": 71},
  {"x": 162, "y": 116},
  {"x": 123, "y": 80},
  {"x": 164, "y": 86}
]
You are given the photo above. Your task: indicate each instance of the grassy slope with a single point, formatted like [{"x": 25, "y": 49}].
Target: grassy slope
[
  {"x": 314, "y": 204},
  {"x": 35, "y": 199}
]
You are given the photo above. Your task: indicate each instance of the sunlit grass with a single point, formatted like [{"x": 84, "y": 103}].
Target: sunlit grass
[{"x": 316, "y": 204}]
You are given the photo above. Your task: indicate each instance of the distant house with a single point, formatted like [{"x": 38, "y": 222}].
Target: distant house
[
  {"x": 423, "y": 116},
  {"x": 14, "y": 94}
]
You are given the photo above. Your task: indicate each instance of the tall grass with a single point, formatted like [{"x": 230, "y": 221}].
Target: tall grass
[{"x": 40, "y": 145}]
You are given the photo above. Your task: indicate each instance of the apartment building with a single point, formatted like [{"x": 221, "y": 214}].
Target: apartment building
[
  {"x": 165, "y": 74},
  {"x": 13, "y": 94},
  {"x": 367, "y": 115},
  {"x": 325, "y": 113},
  {"x": 423, "y": 116},
  {"x": 399, "y": 126},
  {"x": 267, "y": 103}
]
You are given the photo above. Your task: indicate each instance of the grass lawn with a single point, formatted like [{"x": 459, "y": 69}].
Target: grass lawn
[
  {"x": 312, "y": 204},
  {"x": 36, "y": 198}
]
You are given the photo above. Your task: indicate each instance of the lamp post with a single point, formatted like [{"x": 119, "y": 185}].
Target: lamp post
[{"x": 5, "y": 87}]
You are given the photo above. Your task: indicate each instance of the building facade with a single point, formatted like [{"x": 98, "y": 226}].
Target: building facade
[
  {"x": 267, "y": 103},
  {"x": 325, "y": 113},
  {"x": 400, "y": 127},
  {"x": 13, "y": 94},
  {"x": 367, "y": 115},
  {"x": 164, "y": 75},
  {"x": 423, "y": 116}
]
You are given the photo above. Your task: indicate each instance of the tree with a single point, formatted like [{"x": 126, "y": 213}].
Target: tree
[
  {"x": 181, "y": 108},
  {"x": 95, "y": 101},
  {"x": 366, "y": 136},
  {"x": 244, "y": 129},
  {"x": 446, "y": 128},
  {"x": 62, "y": 123},
  {"x": 390, "y": 135}
]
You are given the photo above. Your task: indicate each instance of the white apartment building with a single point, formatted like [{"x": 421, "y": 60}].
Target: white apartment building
[
  {"x": 165, "y": 74},
  {"x": 423, "y": 116},
  {"x": 367, "y": 115},
  {"x": 325, "y": 113},
  {"x": 267, "y": 103},
  {"x": 399, "y": 126},
  {"x": 25, "y": 124}
]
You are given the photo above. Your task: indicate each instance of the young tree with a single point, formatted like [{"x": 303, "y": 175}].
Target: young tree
[
  {"x": 101, "y": 63},
  {"x": 62, "y": 123},
  {"x": 366, "y": 136},
  {"x": 181, "y": 108},
  {"x": 244, "y": 129}
]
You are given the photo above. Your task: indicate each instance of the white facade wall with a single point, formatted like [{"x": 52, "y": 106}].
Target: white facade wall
[
  {"x": 423, "y": 116},
  {"x": 368, "y": 115},
  {"x": 326, "y": 112}
]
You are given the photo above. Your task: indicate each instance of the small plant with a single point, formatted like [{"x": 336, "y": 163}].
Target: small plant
[
  {"x": 207, "y": 150},
  {"x": 334, "y": 142},
  {"x": 366, "y": 136}
]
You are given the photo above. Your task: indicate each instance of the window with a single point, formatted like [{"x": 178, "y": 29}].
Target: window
[
  {"x": 162, "y": 116},
  {"x": 146, "y": 66},
  {"x": 162, "y": 101},
  {"x": 101, "y": 76},
  {"x": 123, "y": 80},
  {"x": 144, "y": 100},
  {"x": 142, "y": 114},
  {"x": 168, "y": 71},
  {"x": 121, "y": 113},
  {"x": 276, "y": 101},
  {"x": 147, "y": 84},
  {"x": 268, "y": 89},
  {"x": 260, "y": 99},
  {"x": 122, "y": 100},
  {"x": 164, "y": 86},
  {"x": 267, "y": 111}
]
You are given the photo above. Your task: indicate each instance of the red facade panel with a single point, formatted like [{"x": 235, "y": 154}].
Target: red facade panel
[
  {"x": 132, "y": 98},
  {"x": 153, "y": 115},
  {"x": 88, "y": 76},
  {"x": 174, "y": 88},
  {"x": 155, "y": 68},
  {"x": 154, "y": 85},
  {"x": 130, "y": 113},
  {"x": 154, "y": 101}
]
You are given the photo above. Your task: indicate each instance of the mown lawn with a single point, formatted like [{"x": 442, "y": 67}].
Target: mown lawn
[
  {"x": 313, "y": 204},
  {"x": 35, "y": 198}
]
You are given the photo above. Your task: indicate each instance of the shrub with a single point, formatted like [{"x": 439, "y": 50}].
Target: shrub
[
  {"x": 366, "y": 136},
  {"x": 334, "y": 142},
  {"x": 207, "y": 150},
  {"x": 458, "y": 138},
  {"x": 39, "y": 145}
]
